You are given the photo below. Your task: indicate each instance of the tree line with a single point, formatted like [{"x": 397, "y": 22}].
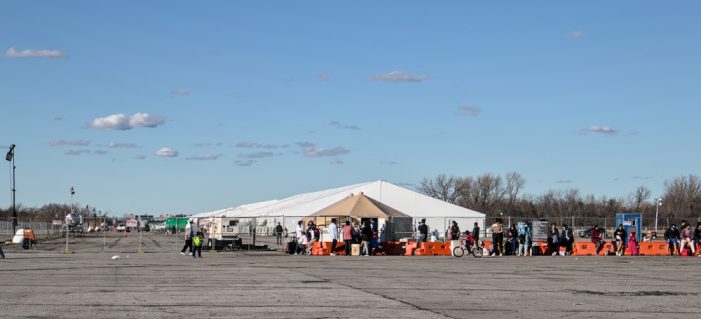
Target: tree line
[{"x": 493, "y": 194}]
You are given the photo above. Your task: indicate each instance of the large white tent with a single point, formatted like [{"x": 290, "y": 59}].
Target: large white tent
[{"x": 289, "y": 210}]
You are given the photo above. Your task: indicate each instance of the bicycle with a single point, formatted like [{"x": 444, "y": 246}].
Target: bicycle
[{"x": 473, "y": 249}]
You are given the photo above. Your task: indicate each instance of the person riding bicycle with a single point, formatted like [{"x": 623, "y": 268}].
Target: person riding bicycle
[{"x": 469, "y": 240}]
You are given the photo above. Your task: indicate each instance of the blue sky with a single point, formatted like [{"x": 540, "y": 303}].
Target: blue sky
[{"x": 172, "y": 106}]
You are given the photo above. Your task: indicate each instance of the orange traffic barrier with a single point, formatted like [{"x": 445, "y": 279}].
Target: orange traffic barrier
[
  {"x": 410, "y": 248},
  {"x": 659, "y": 248},
  {"x": 583, "y": 248}
]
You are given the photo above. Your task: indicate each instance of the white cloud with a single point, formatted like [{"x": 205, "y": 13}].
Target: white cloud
[
  {"x": 606, "y": 130},
  {"x": 245, "y": 162},
  {"x": 121, "y": 122},
  {"x": 180, "y": 92},
  {"x": 313, "y": 151},
  {"x": 398, "y": 76},
  {"x": 340, "y": 126},
  {"x": 208, "y": 157},
  {"x": 31, "y": 53},
  {"x": 575, "y": 34},
  {"x": 120, "y": 145},
  {"x": 100, "y": 152},
  {"x": 470, "y": 111},
  {"x": 166, "y": 152},
  {"x": 61, "y": 142}
]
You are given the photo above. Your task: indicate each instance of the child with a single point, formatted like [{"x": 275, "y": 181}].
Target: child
[
  {"x": 633, "y": 244},
  {"x": 197, "y": 245}
]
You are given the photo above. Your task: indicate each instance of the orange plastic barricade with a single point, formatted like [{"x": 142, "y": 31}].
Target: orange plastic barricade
[
  {"x": 583, "y": 248},
  {"x": 654, "y": 249},
  {"x": 410, "y": 248}
]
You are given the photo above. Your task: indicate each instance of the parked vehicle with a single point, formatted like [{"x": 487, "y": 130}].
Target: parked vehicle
[{"x": 121, "y": 228}]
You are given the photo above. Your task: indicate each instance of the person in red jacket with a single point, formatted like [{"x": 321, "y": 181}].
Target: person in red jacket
[
  {"x": 347, "y": 232},
  {"x": 596, "y": 238}
]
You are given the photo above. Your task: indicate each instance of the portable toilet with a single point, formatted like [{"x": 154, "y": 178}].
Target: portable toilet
[{"x": 631, "y": 222}]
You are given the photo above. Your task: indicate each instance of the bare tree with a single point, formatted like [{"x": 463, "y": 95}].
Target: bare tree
[
  {"x": 514, "y": 183},
  {"x": 682, "y": 196},
  {"x": 638, "y": 197},
  {"x": 442, "y": 187}
]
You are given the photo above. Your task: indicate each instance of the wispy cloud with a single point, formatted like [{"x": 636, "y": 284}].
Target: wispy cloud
[
  {"x": 166, "y": 152},
  {"x": 180, "y": 92},
  {"x": 100, "y": 152},
  {"x": 208, "y": 157},
  {"x": 325, "y": 76},
  {"x": 313, "y": 151},
  {"x": 62, "y": 142},
  {"x": 575, "y": 34},
  {"x": 120, "y": 145},
  {"x": 58, "y": 118},
  {"x": 258, "y": 145},
  {"x": 259, "y": 155},
  {"x": 336, "y": 161},
  {"x": 121, "y": 122},
  {"x": 340, "y": 126},
  {"x": 606, "y": 130},
  {"x": 564, "y": 181},
  {"x": 245, "y": 162},
  {"x": 140, "y": 157},
  {"x": 77, "y": 152},
  {"x": 305, "y": 144},
  {"x": 398, "y": 76},
  {"x": 470, "y": 111},
  {"x": 388, "y": 162},
  {"x": 31, "y": 53},
  {"x": 207, "y": 144}
]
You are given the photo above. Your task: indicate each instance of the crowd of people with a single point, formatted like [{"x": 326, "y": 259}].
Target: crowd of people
[
  {"x": 362, "y": 234},
  {"x": 519, "y": 240}
]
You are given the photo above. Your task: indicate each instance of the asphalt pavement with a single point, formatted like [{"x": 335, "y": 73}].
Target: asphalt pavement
[{"x": 91, "y": 282}]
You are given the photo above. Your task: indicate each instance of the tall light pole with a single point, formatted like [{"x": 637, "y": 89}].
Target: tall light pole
[
  {"x": 658, "y": 203},
  {"x": 10, "y": 157},
  {"x": 68, "y": 227}
]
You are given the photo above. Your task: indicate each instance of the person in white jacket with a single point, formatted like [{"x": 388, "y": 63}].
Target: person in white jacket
[{"x": 333, "y": 232}]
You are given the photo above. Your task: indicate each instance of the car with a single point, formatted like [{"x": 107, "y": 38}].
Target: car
[
  {"x": 586, "y": 233},
  {"x": 121, "y": 228}
]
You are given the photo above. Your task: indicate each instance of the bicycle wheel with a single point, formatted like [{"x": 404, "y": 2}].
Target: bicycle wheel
[
  {"x": 477, "y": 252},
  {"x": 458, "y": 251}
]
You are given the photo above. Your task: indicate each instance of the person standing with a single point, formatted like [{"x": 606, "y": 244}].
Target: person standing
[
  {"x": 347, "y": 232},
  {"x": 423, "y": 232},
  {"x": 554, "y": 240},
  {"x": 189, "y": 233},
  {"x": 333, "y": 232},
  {"x": 596, "y": 239},
  {"x": 476, "y": 234},
  {"x": 197, "y": 240},
  {"x": 567, "y": 238},
  {"x": 366, "y": 236},
  {"x": 697, "y": 239},
  {"x": 454, "y": 231},
  {"x": 511, "y": 240},
  {"x": 278, "y": 233},
  {"x": 497, "y": 237},
  {"x": 524, "y": 239},
  {"x": 633, "y": 244}
]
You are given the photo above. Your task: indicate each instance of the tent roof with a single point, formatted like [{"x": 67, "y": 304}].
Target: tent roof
[
  {"x": 407, "y": 201},
  {"x": 359, "y": 206}
]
